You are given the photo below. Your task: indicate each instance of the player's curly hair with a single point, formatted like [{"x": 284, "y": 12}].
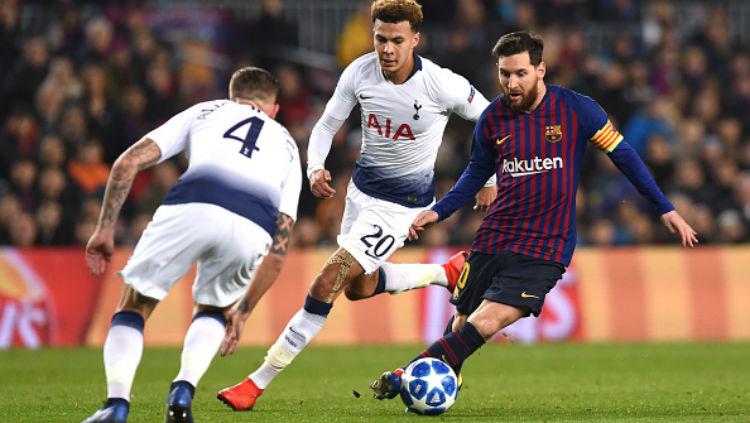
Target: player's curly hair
[
  {"x": 394, "y": 11},
  {"x": 518, "y": 42},
  {"x": 253, "y": 83}
]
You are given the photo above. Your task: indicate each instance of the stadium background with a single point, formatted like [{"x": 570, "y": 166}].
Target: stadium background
[{"x": 80, "y": 81}]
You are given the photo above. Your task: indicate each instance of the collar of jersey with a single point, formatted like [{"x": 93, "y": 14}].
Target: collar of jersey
[{"x": 417, "y": 67}]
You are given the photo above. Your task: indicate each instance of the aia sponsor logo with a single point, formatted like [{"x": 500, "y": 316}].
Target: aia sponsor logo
[{"x": 385, "y": 129}]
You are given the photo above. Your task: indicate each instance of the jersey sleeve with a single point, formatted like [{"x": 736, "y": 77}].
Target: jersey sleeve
[
  {"x": 292, "y": 186},
  {"x": 597, "y": 126},
  {"x": 459, "y": 96},
  {"x": 172, "y": 136},
  {"x": 344, "y": 98}
]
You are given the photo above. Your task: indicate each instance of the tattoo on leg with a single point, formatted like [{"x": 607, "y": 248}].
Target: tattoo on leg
[{"x": 345, "y": 260}]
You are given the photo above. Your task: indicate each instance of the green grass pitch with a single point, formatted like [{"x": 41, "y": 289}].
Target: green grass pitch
[{"x": 546, "y": 383}]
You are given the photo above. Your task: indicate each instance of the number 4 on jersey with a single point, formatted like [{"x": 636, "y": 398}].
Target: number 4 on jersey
[{"x": 253, "y": 131}]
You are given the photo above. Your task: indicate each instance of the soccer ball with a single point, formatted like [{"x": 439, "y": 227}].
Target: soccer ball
[{"x": 428, "y": 386}]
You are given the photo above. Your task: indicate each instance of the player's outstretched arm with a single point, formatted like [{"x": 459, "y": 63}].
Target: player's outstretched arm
[
  {"x": 631, "y": 165},
  {"x": 263, "y": 278},
  {"x": 320, "y": 184},
  {"x": 677, "y": 225},
  {"x": 141, "y": 155}
]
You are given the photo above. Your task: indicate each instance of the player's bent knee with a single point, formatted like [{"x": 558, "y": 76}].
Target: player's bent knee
[
  {"x": 334, "y": 276},
  {"x": 490, "y": 317},
  {"x": 354, "y": 293},
  {"x": 487, "y": 327},
  {"x": 132, "y": 300},
  {"x": 322, "y": 285}
]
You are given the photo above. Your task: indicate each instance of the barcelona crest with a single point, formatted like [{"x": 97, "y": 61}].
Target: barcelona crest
[{"x": 553, "y": 133}]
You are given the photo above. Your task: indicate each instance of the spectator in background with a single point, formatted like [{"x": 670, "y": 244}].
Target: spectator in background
[
  {"x": 10, "y": 207},
  {"x": 74, "y": 127},
  {"x": 295, "y": 99},
  {"x": 164, "y": 176},
  {"x": 23, "y": 174},
  {"x": 467, "y": 45},
  {"x": 103, "y": 116},
  {"x": 52, "y": 152},
  {"x": 99, "y": 33},
  {"x": 135, "y": 121},
  {"x": 63, "y": 78},
  {"x": 356, "y": 37},
  {"x": 731, "y": 227},
  {"x": 655, "y": 119},
  {"x": 87, "y": 168},
  {"x": 55, "y": 187},
  {"x": 23, "y": 231},
  {"x": 660, "y": 158},
  {"x": 10, "y": 37},
  {"x": 18, "y": 139},
  {"x": 161, "y": 91},
  {"x": 27, "y": 74},
  {"x": 271, "y": 34},
  {"x": 52, "y": 230}
]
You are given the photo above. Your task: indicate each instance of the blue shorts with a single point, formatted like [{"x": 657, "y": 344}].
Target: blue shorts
[{"x": 506, "y": 278}]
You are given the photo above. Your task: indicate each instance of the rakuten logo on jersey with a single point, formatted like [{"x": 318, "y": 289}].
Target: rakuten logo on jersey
[{"x": 533, "y": 166}]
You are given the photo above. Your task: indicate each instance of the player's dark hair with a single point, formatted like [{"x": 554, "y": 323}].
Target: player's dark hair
[
  {"x": 253, "y": 83},
  {"x": 395, "y": 11},
  {"x": 518, "y": 42}
]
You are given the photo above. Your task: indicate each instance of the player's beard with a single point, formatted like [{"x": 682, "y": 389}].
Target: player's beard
[{"x": 527, "y": 99}]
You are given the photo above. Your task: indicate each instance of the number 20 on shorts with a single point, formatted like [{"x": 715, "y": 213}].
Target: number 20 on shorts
[{"x": 377, "y": 244}]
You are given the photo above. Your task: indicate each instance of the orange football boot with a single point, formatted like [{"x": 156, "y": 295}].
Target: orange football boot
[
  {"x": 453, "y": 268},
  {"x": 240, "y": 397}
]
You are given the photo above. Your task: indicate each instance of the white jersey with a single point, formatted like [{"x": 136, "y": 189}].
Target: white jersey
[
  {"x": 402, "y": 125},
  {"x": 239, "y": 159}
]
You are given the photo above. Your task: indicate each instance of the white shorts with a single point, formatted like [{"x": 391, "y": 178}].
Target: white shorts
[
  {"x": 228, "y": 248},
  {"x": 372, "y": 229}
]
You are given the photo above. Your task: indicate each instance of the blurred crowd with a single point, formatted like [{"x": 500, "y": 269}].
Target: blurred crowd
[{"x": 80, "y": 87}]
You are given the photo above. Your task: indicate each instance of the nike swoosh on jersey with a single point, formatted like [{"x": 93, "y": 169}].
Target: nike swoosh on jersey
[
  {"x": 362, "y": 97},
  {"x": 502, "y": 140},
  {"x": 525, "y": 295}
]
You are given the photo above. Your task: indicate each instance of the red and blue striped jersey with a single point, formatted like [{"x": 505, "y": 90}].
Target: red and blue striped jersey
[{"x": 537, "y": 156}]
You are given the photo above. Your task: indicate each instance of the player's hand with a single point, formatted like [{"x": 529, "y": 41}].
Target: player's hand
[
  {"x": 677, "y": 225},
  {"x": 235, "y": 323},
  {"x": 99, "y": 250},
  {"x": 485, "y": 197},
  {"x": 423, "y": 219},
  {"x": 319, "y": 184}
]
